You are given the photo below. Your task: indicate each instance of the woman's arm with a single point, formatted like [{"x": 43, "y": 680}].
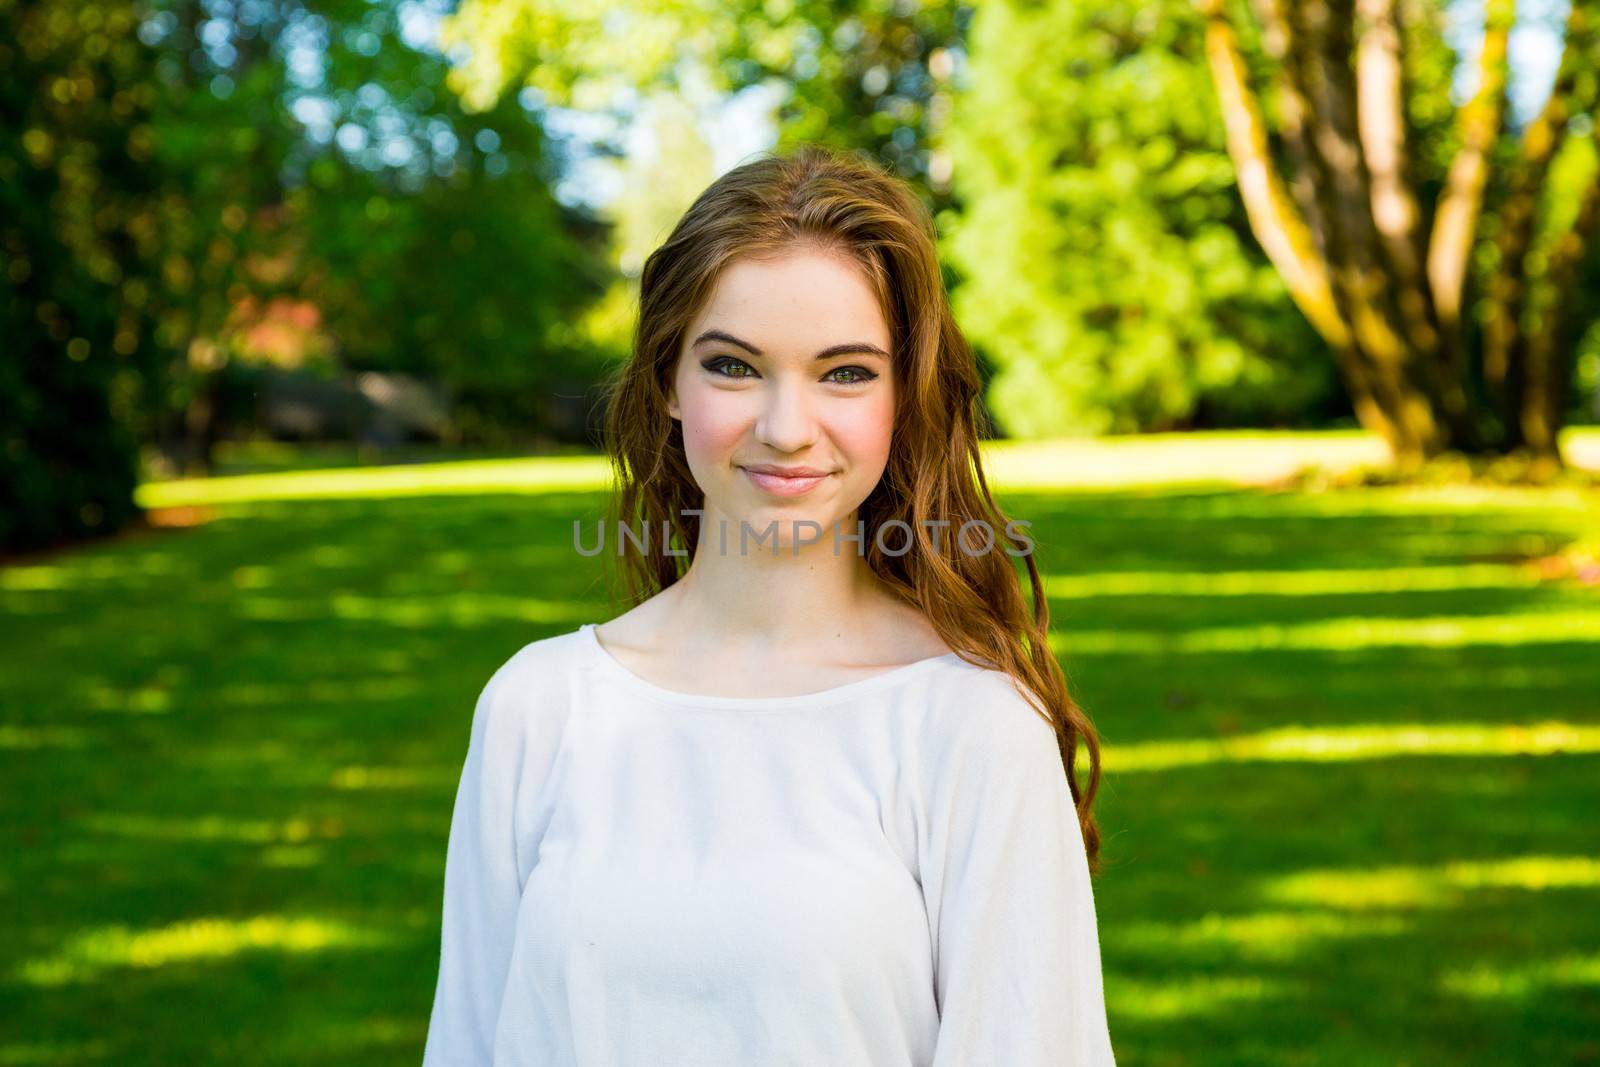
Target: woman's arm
[
  {"x": 1006, "y": 881},
  {"x": 482, "y": 887}
]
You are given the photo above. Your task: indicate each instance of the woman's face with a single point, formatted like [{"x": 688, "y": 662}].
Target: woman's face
[{"x": 787, "y": 366}]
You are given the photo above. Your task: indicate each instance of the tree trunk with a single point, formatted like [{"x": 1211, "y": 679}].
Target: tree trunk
[{"x": 1345, "y": 231}]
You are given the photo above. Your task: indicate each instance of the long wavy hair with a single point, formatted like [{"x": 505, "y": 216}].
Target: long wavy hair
[{"x": 821, "y": 199}]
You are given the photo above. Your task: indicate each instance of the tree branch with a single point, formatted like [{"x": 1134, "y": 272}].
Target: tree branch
[
  {"x": 1456, "y": 219},
  {"x": 1381, "y": 122},
  {"x": 1542, "y": 395},
  {"x": 1423, "y": 393},
  {"x": 1540, "y": 143},
  {"x": 1294, "y": 112},
  {"x": 1277, "y": 224}
]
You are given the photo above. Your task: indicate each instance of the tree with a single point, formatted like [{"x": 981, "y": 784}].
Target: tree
[
  {"x": 314, "y": 159},
  {"x": 1109, "y": 270},
  {"x": 1453, "y": 325},
  {"x": 854, "y": 74},
  {"x": 75, "y": 274}
]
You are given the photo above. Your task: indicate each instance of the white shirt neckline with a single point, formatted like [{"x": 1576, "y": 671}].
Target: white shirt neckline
[{"x": 838, "y": 694}]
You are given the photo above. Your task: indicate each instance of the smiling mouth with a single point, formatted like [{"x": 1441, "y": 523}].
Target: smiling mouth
[{"x": 779, "y": 485}]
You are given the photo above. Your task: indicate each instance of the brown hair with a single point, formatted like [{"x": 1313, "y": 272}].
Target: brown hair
[{"x": 817, "y": 198}]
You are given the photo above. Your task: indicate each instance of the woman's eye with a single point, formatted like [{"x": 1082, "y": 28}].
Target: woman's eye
[
  {"x": 859, "y": 375},
  {"x": 721, "y": 363},
  {"x": 732, "y": 367}
]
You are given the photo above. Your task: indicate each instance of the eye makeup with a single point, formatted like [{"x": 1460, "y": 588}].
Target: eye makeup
[{"x": 718, "y": 365}]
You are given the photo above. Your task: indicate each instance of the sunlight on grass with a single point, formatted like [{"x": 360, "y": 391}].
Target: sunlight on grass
[
  {"x": 1266, "y": 935},
  {"x": 1431, "y": 887},
  {"x": 87, "y": 571},
  {"x": 37, "y": 578},
  {"x": 212, "y": 828},
  {"x": 1221, "y": 458},
  {"x": 92, "y": 953},
  {"x": 314, "y": 691},
  {"x": 1197, "y": 995},
  {"x": 291, "y": 856},
  {"x": 137, "y": 700},
  {"x": 1157, "y": 459},
  {"x": 1232, "y": 457},
  {"x": 546, "y": 474},
  {"x": 453, "y": 608},
  {"x": 1291, "y": 582},
  {"x": 1486, "y": 982},
  {"x": 1396, "y": 501},
  {"x": 20, "y": 737},
  {"x": 24, "y": 1053},
  {"x": 1345, "y": 634},
  {"x": 1356, "y": 742},
  {"x": 393, "y": 777}
]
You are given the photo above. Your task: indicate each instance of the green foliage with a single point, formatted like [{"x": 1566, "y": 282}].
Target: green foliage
[
  {"x": 877, "y": 74},
  {"x": 421, "y": 238},
  {"x": 193, "y": 190},
  {"x": 882, "y": 76},
  {"x": 74, "y": 338},
  {"x": 1108, "y": 269},
  {"x": 471, "y": 279},
  {"x": 1430, "y": 110}
]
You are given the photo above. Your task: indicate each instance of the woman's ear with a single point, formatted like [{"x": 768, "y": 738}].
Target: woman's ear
[{"x": 672, "y": 403}]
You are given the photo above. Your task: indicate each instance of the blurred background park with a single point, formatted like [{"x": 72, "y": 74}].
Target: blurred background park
[{"x": 1289, "y": 318}]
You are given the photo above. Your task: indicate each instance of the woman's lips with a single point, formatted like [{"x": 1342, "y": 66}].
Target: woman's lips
[{"x": 778, "y": 485}]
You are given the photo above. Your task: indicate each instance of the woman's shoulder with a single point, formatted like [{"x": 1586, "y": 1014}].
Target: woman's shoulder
[
  {"x": 977, "y": 703},
  {"x": 532, "y": 684},
  {"x": 545, "y": 658}
]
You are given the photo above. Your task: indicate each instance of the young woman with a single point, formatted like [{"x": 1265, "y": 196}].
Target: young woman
[{"x": 813, "y": 799}]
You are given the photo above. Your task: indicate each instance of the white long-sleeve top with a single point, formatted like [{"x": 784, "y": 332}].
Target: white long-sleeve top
[{"x": 887, "y": 873}]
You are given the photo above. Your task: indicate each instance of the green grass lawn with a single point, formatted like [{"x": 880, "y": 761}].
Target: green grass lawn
[{"x": 1352, "y": 753}]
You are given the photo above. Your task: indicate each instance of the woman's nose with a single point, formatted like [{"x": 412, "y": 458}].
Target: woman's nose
[{"x": 787, "y": 422}]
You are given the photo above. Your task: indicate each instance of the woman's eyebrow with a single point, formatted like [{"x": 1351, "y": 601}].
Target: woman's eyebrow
[{"x": 848, "y": 348}]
